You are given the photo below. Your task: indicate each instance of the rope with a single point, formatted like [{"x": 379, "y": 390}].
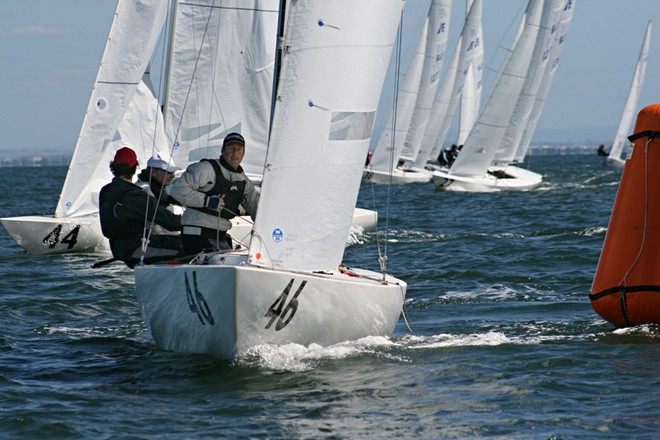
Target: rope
[
  {"x": 148, "y": 226},
  {"x": 624, "y": 281},
  {"x": 382, "y": 254}
]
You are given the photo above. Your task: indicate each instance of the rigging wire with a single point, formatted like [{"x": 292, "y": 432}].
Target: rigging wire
[
  {"x": 382, "y": 256},
  {"x": 147, "y": 230},
  {"x": 194, "y": 71}
]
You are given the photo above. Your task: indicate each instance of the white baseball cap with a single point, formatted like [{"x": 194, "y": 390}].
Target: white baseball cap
[{"x": 162, "y": 161}]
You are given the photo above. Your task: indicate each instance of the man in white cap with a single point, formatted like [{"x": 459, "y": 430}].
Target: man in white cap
[
  {"x": 213, "y": 190},
  {"x": 155, "y": 179}
]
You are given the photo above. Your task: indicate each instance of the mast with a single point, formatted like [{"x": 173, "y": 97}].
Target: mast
[{"x": 281, "y": 26}]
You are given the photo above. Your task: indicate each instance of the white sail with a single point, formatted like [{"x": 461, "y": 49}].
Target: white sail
[
  {"x": 142, "y": 126},
  {"x": 434, "y": 54},
  {"x": 221, "y": 78},
  {"x": 558, "y": 45},
  {"x": 123, "y": 64},
  {"x": 321, "y": 130},
  {"x": 471, "y": 93},
  {"x": 481, "y": 145},
  {"x": 630, "y": 109},
  {"x": 470, "y": 99},
  {"x": 391, "y": 142},
  {"x": 550, "y": 17},
  {"x": 469, "y": 51}
]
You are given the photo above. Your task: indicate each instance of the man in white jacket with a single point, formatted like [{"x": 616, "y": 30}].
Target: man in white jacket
[{"x": 213, "y": 190}]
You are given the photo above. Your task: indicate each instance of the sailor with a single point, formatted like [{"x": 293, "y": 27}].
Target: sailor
[
  {"x": 601, "y": 150},
  {"x": 213, "y": 191},
  {"x": 155, "y": 180},
  {"x": 448, "y": 155},
  {"x": 125, "y": 209}
]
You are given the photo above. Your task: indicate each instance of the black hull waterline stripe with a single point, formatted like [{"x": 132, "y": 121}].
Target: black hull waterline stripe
[
  {"x": 621, "y": 289},
  {"x": 651, "y": 134}
]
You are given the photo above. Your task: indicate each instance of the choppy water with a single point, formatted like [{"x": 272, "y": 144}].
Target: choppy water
[{"x": 505, "y": 342}]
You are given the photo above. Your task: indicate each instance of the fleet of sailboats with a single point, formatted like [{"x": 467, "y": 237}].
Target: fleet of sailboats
[
  {"x": 406, "y": 125},
  {"x": 492, "y": 145}
]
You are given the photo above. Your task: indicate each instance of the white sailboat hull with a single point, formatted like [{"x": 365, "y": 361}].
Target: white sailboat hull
[
  {"x": 397, "y": 177},
  {"x": 365, "y": 219},
  {"x": 517, "y": 179},
  {"x": 223, "y": 307},
  {"x": 616, "y": 161},
  {"x": 41, "y": 235}
]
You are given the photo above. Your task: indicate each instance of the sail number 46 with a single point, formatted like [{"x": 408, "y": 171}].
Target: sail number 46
[{"x": 280, "y": 310}]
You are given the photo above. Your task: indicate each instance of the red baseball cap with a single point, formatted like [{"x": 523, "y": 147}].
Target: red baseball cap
[{"x": 125, "y": 155}]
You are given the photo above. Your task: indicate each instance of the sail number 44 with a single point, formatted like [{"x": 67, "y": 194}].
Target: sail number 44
[
  {"x": 53, "y": 237},
  {"x": 282, "y": 311}
]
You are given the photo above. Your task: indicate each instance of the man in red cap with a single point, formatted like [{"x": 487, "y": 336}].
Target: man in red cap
[
  {"x": 126, "y": 211},
  {"x": 213, "y": 190}
]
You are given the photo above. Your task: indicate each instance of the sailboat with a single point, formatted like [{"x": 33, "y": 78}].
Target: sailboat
[
  {"x": 290, "y": 285},
  {"x": 123, "y": 110},
  {"x": 630, "y": 109},
  {"x": 117, "y": 92},
  {"x": 489, "y": 149},
  {"x": 406, "y": 126},
  {"x": 471, "y": 91}
]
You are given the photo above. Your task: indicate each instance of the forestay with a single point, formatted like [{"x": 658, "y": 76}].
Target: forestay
[
  {"x": 221, "y": 79},
  {"x": 322, "y": 125},
  {"x": 133, "y": 37}
]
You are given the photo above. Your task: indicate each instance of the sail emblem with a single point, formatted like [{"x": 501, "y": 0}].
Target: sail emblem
[
  {"x": 101, "y": 104},
  {"x": 278, "y": 235}
]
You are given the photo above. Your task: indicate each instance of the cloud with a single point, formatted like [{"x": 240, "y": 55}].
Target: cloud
[{"x": 39, "y": 31}]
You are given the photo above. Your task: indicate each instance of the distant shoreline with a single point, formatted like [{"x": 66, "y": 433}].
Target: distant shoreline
[{"x": 44, "y": 158}]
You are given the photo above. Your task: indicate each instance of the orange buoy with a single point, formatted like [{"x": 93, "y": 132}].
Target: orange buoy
[{"x": 626, "y": 287}]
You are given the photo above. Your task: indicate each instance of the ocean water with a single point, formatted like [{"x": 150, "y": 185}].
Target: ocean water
[{"x": 499, "y": 339}]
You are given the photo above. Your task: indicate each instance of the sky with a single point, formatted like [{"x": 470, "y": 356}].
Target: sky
[{"x": 50, "y": 51}]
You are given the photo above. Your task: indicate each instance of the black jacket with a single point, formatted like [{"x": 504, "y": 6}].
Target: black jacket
[{"x": 123, "y": 207}]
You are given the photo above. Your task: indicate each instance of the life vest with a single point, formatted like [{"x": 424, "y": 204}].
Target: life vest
[
  {"x": 233, "y": 191},
  {"x": 626, "y": 286}
]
